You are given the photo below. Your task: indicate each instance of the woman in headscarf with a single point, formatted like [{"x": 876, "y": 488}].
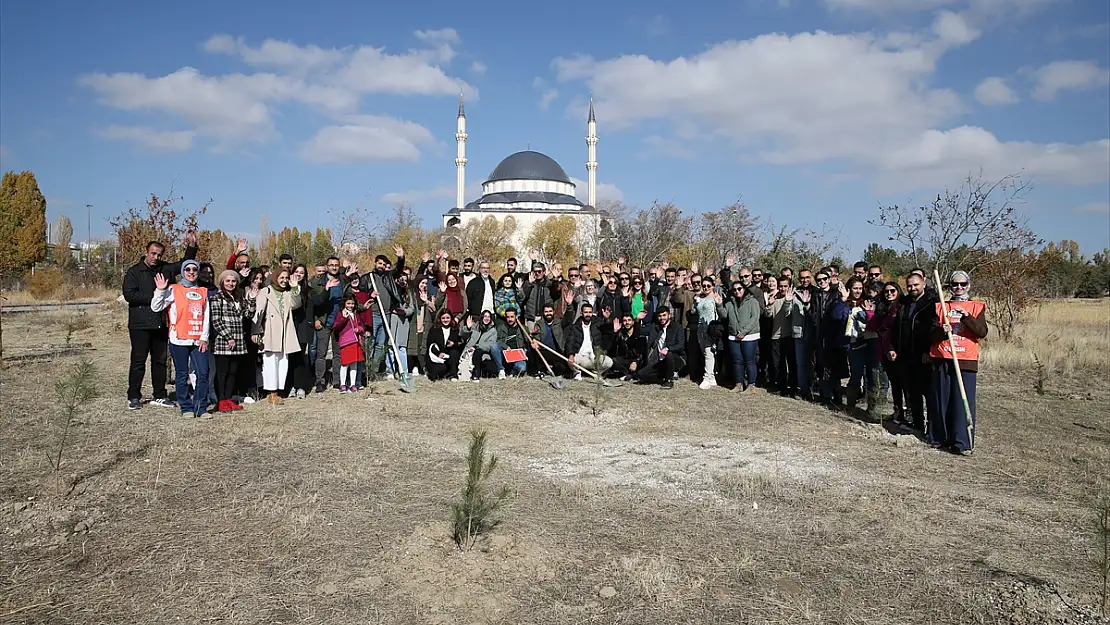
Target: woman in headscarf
[
  {"x": 300, "y": 376},
  {"x": 274, "y": 331},
  {"x": 452, "y": 298},
  {"x": 187, "y": 302},
  {"x": 229, "y": 342},
  {"x": 950, "y": 427}
]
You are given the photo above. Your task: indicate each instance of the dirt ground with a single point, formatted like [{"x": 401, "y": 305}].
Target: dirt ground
[{"x": 633, "y": 505}]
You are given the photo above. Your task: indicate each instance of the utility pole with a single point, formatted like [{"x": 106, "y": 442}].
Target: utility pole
[{"x": 88, "y": 237}]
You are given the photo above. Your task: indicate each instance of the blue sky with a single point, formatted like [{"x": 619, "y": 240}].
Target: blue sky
[{"x": 814, "y": 111}]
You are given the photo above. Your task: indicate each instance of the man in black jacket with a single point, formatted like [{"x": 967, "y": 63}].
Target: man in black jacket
[
  {"x": 582, "y": 351},
  {"x": 479, "y": 292},
  {"x": 666, "y": 350},
  {"x": 147, "y": 329},
  {"x": 629, "y": 349},
  {"x": 910, "y": 342},
  {"x": 382, "y": 284}
]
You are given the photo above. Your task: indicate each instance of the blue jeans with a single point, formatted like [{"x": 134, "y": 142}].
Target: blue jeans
[
  {"x": 743, "y": 355},
  {"x": 803, "y": 358},
  {"x": 858, "y": 368},
  {"x": 390, "y": 367},
  {"x": 182, "y": 356},
  {"x": 380, "y": 339},
  {"x": 497, "y": 354}
]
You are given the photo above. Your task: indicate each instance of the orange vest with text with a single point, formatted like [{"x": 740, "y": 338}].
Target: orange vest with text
[
  {"x": 966, "y": 348},
  {"x": 189, "y": 304}
]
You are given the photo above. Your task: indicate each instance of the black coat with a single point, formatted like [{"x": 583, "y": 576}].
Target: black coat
[
  {"x": 575, "y": 336},
  {"x": 138, "y": 290},
  {"x": 630, "y": 347},
  {"x": 912, "y": 333},
  {"x": 675, "y": 341},
  {"x": 438, "y": 345},
  {"x": 475, "y": 294}
]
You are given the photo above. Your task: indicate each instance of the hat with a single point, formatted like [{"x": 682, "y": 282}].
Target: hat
[
  {"x": 960, "y": 276},
  {"x": 229, "y": 274}
]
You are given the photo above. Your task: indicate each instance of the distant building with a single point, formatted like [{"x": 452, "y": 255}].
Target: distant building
[{"x": 529, "y": 187}]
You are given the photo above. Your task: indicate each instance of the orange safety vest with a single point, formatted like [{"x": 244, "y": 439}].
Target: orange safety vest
[
  {"x": 967, "y": 348},
  {"x": 189, "y": 304}
]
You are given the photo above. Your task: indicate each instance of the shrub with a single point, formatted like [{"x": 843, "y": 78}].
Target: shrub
[{"x": 45, "y": 283}]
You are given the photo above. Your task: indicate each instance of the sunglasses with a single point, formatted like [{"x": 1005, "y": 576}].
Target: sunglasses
[
  {"x": 959, "y": 284},
  {"x": 876, "y": 275},
  {"x": 738, "y": 289},
  {"x": 190, "y": 269},
  {"x": 820, "y": 279},
  {"x": 745, "y": 275},
  {"x": 707, "y": 285},
  {"x": 624, "y": 279},
  {"x": 891, "y": 292}
]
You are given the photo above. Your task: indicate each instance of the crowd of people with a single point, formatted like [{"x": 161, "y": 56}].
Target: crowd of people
[{"x": 260, "y": 333}]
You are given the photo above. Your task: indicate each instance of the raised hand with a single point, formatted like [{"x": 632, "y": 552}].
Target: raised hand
[
  {"x": 730, "y": 259},
  {"x": 240, "y": 246},
  {"x": 160, "y": 282},
  {"x": 332, "y": 282},
  {"x": 442, "y": 254},
  {"x": 294, "y": 280},
  {"x": 425, "y": 257},
  {"x": 568, "y": 297},
  {"x": 622, "y": 260},
  {"x": 191, "y": 237},
  {"x": 804, "y": 296},
  {"x": 399, "y": 251},
  {"x": 245, "y": 272},
  {"x": 694, "y": 267}
]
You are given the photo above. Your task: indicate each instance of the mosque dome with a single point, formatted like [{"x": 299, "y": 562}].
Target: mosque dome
[{"x": 529, "y": 165}]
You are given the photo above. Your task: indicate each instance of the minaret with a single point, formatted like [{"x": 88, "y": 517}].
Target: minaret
[
  {"x": 591, "y": 163},
  {"x": 460, "y": 157}
]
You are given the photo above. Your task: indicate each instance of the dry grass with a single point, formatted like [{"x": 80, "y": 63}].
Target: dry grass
[
  {"x": 67, "y": 293},
  {"x": 336, "y": 509},
  {"x": 1069, "y": 336}
]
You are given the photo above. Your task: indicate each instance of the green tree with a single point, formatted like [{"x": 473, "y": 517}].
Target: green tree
[
  {"x": 1064, "y": 267},
  {"x": 22, "y": 223},
  {"x": 1096, "y": 277},
  {"x": 321, "y": 248},
  {"x": 63, "y": 236}
]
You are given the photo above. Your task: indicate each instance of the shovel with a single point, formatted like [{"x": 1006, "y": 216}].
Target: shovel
[
  {"x": 955, "y": 358},
  {"x": 554, "y": 381},
  {"x": 407, "y": 385},
  {"x": 596, "y": 377}
]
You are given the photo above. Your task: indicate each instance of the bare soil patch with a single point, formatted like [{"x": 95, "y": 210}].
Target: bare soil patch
[{"x": 633, "y": 505}]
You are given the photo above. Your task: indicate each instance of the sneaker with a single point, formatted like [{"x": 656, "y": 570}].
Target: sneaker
[
  {"x": 707, "y": 384},
  {"x": 134, "y": 404},
  {"x": 163, "y": 403},
  {"x": 667, "y": 384},
  {"x": 500, "y": 375},
  {"x": 248, "y": 400},
  {"x": 204, "y": 416},
  {"x": 301, "y": 394},
  {"x": 320, "y": 388},
  {"x": 343, "y": 389},
  {"x": 578, "y": 376}
]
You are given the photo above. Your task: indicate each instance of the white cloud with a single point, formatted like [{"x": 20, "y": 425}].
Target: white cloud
[
  {"x": 478, "y": 67},
  {"x": 669, "y": 147},
  {"x": 994, "y": 91},
  {"x": 444, "y": 194},
  {"x": 1096, "y": 208},
  {"x": 817, "y": 97},
  {"x": 161, "y": 140},
  {"x": 1068, "y": 76},
  {"x": 236, "y": 108},
  {"x": 605, "y": 191},
  {"x": 367, "y": 138},
  {"x": 547, "y": 98}
]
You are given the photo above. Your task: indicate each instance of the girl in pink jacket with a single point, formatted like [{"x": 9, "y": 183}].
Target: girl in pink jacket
[{"x": 349, "y": 329}]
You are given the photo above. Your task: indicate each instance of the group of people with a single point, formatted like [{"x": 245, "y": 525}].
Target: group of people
[{"x": 259, "y": 332}]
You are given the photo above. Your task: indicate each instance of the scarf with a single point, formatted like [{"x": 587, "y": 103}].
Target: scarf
[
  {"x": 455, "y": 300},
  {"x": 185, "y": 281}
]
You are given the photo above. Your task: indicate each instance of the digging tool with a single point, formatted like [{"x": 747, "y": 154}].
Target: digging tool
[
  {"x": 955, "y": 358},
  {"x": 406, "y": 379},
  {"x": 554, "y": 381},
  {"x": 598, "y": 378}
]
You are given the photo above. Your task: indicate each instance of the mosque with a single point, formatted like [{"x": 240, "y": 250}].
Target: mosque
[{"x": 529, "y": 187}]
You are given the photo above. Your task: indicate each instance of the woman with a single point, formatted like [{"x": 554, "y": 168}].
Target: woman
[
  {"x": 443, "y": 349},
  {"x": 506, "y": 296},
  {"x": 860, "y": 308},
  {"x": 705, "y": 304},
  {"x": 613, "y": 299},
  {"x": 882, "y": 324},
  {"x": 587, "y": 296},
  {"x": 274, "y": 331},
  {"x": 951, "y": 428},
  {"x": 250, "y": 364},
  {"x": 452, "y": 298},
  {"x": 228, "y": 310},
  {"x": 770, "y": 288},
  {"x": 481, "y": 345},
  {"x": 422, "y": 321},
  {"x": 641, "y": 301},
  {"x": 300, "y": 375},
  {"x": 741, "y": 314},
  {"x": 187, "y": 302},
  {"x": 399, "y": 321}
]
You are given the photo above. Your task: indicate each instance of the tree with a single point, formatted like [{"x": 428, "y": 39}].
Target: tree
[
  {"x": 214, "y": 246},
  {"x": 1010, "y": 281},
  {"x": 964, "y": 226},
  {"x": 653, "y": 235},
  {"x": 321, "y": 248},
  {"x": 728, "y": 233},
  {"x": 63, "y": 235},
  {"x": 490, "y": 239},
  {"x": 800, "y": 248},
  {"x": 403, "y": 228},
  {"x": 1096, "y": 278},
  {"x": 157, "y": 220},
  {"x": 554, "y": 240},
  {"x": 894, "y": 264},
  {"x": 22, "y": 223},
  {"x": 1064, "y": 267}
]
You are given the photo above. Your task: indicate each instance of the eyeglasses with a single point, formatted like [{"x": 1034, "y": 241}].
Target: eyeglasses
[
  {"x": 962, "y": 285},
  {"x": 707, "y": 285},
  {"x": 738, "y": 289},
  {"x": 624, "y": 279}
]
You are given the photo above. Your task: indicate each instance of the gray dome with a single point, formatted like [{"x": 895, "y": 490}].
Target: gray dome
[{"x": 529, "y": 165}]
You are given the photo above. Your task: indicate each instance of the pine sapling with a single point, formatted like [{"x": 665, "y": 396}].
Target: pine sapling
[
  {"x": 473, "y": 512},
  {"x": 72, "y": 392}
]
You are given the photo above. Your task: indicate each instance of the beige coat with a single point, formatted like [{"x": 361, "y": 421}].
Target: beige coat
[{"x": 279, "y": 334}]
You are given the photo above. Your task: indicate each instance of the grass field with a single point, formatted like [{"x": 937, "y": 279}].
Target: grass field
[{"x": 635, "y": 505}]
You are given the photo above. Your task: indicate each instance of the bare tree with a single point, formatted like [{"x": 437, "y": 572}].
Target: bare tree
[
  {"x": 799, "y": 248},
  {"x": 730, "y": 233},
  {"x": 963, "y": 226},
  {"x": 652, "y": 234}
]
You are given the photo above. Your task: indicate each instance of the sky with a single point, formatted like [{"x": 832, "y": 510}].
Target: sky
[{"x": 814, "y": 112}]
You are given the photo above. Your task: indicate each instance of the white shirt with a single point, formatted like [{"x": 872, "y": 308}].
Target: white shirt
[
  {"x": 487, "y": 295},
  {"x": 587, "y": 349}
]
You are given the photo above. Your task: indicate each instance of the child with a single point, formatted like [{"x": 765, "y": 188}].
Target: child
[{"x": 349, "y": 330}]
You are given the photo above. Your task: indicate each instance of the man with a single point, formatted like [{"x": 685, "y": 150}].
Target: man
[
  {"x": 509, "y": 336},
  {"x": 468, "y": 271},
  {"x": 787, "y": 273},
  {"x": 537, "y": 293},
  {"x": 911, "y": 339},
  {"x": 479, "y": 291},
  {"x": 511, "y": 267},
  {"x": 286, "y": 262},
  {"x": 666, "y": 351},
  {"x": 551, "y": 332},
  {"x": 805, "y": 280},
  {"x": 583, "y": 338},
  {"x": 382, "y": 284},
  {"x": 859, "y": 270},
  {"x": 329, "y": 291},
  {"x": 875, "y": 272},
  {"x": 240, "y": 261},
  {"x": 757, "y": 277},
  {"x": 828, "y": 339},
  {"x": 628, "y": 349},
  {"x": 784, "y": 322},
  {"x": 147, "y": 329},
  {"x": 950, "y": 427}
]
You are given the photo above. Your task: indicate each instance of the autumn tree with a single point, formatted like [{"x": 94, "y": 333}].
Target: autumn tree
[
  {"x": 1064, "y": 267},
  {"x": 490, "y": 238},
  {"x": 964, "y": 226},
  {"x": 22, "y": 223},
  {"x": 653, "y": 235},
  {"x": 402, "y": 227},
  {"x": 798, "y": 248},
  {"x": 1009, "y": 282},
  {"x": 728, "y": 233},
  {"x": 215, "y": 246},
  {"x": 554, "y": 240},
  {"x": 63, "y": 236},
  {"x": 321, "y": 248},
  {"x": 156, "y": 220}
]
